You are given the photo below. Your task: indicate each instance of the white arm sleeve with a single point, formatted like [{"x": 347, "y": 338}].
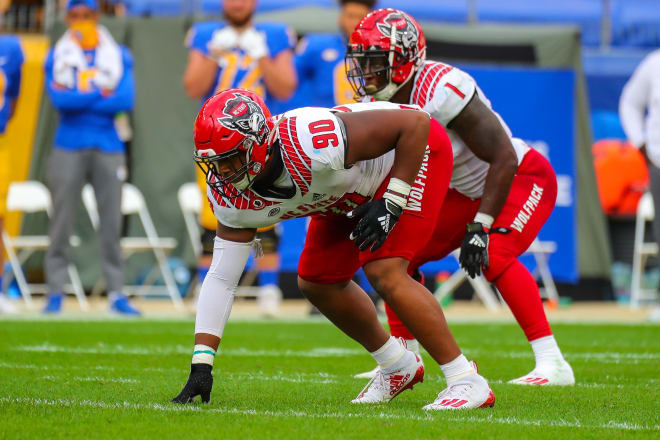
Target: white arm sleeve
[
  {"x": 217, "y": 293},
  {"x": 634, "y": 100}
]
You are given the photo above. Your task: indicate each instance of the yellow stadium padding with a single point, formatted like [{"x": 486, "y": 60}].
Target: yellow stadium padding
[
  {"x": 23, "y": 126},
  {"x": 207, "y": 218}
]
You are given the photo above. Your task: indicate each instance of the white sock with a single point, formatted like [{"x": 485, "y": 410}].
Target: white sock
[
  {"x": 412, "y": 345},
  {"x": 389, "y": 353},
  {"x": 203, "y": 354},
  {"x": 457, "y": 369},
  {"x": 546, "y": 351}
]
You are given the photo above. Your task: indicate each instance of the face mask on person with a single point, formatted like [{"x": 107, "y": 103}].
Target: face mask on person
[{"x": 85, "y": 33}]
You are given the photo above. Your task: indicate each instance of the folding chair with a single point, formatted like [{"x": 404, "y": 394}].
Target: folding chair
[
  {"x": 479, "y": 284},
  {"x": 539, "y": 249},
  {"x": 32, "y": 197},
  {"x": 641, "y": 251},
  {"x": 133, "y": 203},
  {"x": 190, "y": 202}
]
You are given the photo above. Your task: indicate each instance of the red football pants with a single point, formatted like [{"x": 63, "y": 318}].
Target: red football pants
[
  {"x": 330, "y": 257},
  {"x": 531, "y": 200}
]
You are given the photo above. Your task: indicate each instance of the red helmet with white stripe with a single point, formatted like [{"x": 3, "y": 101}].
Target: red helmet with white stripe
[
  {"x": 233, "y": 123},
  {"x": 384, "y": 52}
]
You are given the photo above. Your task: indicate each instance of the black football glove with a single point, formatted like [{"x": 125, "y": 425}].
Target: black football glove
[
  {"x": 474, "y": 249},
  {"x": 199, "y": 383},
  {"x": 377, "y": 219}
]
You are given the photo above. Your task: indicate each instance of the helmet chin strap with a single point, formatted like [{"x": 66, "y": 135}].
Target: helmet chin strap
[{"x": 386, "y": 93}]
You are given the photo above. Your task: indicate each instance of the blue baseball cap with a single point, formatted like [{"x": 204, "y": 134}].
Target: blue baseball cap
[{"x": 70, "y": 4}]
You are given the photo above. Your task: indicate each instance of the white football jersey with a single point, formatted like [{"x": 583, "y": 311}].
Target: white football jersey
[
  {"x": 313, "y": 148},
  {"x": 444, "y": 91}
]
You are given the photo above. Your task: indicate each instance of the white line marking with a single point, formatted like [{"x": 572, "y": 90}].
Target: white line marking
[
  {"x": 603, "y": 357},
  {"x": 92, "y": 379},
  {"x": 57, "y": 367},
  {"x": 313, "y": 378},
  {"x": 451, "y": 416},
  {"x": 609, "y": 357},
  {"x": 181, "y": 349}
]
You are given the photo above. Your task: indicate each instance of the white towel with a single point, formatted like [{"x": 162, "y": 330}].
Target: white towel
[{"x": 68, "y": 58}]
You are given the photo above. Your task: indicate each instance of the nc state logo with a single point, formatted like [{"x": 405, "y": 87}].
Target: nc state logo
[
  {"x": 406, "y": 34},
  {"x": 245, "y": 116}
]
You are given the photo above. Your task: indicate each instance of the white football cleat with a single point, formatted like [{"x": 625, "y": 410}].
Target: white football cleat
[
  {"x": 560, "y": 374},
  {"x": 368, "y": 374},
  {"x": 470, "y": 392},
  {"x": 384, "y": 387},
  {"x": 410, "y": 344}
]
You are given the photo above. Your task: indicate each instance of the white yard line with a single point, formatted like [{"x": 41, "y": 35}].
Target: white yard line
[
  {"x": 181, "y": 349},
  {"x": 310, "y": 378},
  {"x": 602, "y": 357},
  {"x": 610, "y": 357},
  {"x": 92, "y": 379},
  {"x": 447, "y": 416}
]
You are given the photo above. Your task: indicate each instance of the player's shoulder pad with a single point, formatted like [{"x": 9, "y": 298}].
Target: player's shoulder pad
[
  {"x": 449, "y": 91},
  {"x": 202, "y": 31},
  {"x": 307, "y": 117},
  {"x": 374, "y": 105},
  {"x": 321, "y": 40},
  {"x": 327, "y": 47},
  {"x": 278, "y": 30}
]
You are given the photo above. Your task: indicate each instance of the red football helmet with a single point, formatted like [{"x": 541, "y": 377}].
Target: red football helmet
[
  {"x": 384, "y": 52},
  {"x": 234, "y": 122}
]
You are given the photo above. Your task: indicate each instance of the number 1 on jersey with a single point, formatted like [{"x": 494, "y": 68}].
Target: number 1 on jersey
[{"x": 323, "y": 132}]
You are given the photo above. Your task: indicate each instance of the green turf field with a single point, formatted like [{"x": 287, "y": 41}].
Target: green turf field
[{"x": 114, "y": 379}]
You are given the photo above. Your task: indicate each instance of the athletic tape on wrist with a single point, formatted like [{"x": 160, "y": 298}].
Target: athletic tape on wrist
[
  {"x": 484, "y": 219},
  {"x": 397, "y": 192}
]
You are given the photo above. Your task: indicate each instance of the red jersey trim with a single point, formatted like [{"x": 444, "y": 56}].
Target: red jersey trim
[
  {"x": 297, "y": 163},
  {"x": 427, "y": 81}
]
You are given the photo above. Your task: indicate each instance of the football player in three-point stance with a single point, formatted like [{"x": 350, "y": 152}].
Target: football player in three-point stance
[
  {"x": 373, "y": 182},
  {"x": 501, "y": 191}
]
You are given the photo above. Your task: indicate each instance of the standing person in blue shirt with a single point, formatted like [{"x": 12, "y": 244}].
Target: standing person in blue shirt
[
  {"x": 238, "y": 53},
  {"x": 89, "y": 78},
  {"x": 320, "y": 60},
  {"x": 11, "y": 60}
]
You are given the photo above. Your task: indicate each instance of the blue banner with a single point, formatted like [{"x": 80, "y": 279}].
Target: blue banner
[{"x": 538, "y": 106}]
